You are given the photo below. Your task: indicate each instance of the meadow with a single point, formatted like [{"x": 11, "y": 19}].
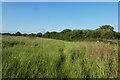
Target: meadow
[{"x": 25, "y": 57}]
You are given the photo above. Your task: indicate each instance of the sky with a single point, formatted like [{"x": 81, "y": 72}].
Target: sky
[
  {"x": 34, "y": 17},
  {"x": 60, "y": 0},
  {"x": 0, "y": 17}
]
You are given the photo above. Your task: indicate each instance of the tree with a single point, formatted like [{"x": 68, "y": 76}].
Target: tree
[
  {"x": 18, "y": 34},
  {"x": 46, "y": 35},
  {"x": 108, "y": 35},
  {"x": 25, "y": 34},
  {"x": 106, "y": 27},
  {"x": 118, "y": 35},
  {"x": 96, "y": 34},
  {"x": 65, "y": 34},
  {"x": 66, "y": 30},
  {"x": 77, "y": 34},
  {"x": 6, "y": 34},
  {"x": 39, "y": 34},
  {"x": 32, "y": 34}
]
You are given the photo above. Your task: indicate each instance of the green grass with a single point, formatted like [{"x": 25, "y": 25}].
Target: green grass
[{"x": 24, "y": 57}]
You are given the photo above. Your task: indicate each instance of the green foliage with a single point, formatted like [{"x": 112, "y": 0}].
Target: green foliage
[
  {"x": 18, "y": 34},
  {"x": 66, "y": 30},
  {"x": 96, "y": 34},
  {"x": 32, "y": 34},
  {"x": 77, "y": 34},
  {"x": 118, "y": 35},
  {"x": 39, "y": 34},
  {"x": 104, "y": 32},
  {"x": 25, "y": 34},
  {"x": 46, "y": 35},
  {"x": 106, "y": 27},
  {"x": 46, "y": 58},
  {"x": 108, "y": 35}
]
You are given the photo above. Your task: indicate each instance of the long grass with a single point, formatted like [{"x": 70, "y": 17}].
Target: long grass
[
  {"x": 0, "y": 56},
  {"x": 23, "y": 57}
]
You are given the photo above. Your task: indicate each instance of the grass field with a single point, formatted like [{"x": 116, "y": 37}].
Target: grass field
[{"x": 24, "y": 57}]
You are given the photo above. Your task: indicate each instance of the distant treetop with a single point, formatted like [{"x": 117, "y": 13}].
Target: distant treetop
[{"x": 106, "y": 27}]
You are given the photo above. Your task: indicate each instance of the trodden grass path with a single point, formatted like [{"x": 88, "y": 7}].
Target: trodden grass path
[{"x": 24, "y": 57}]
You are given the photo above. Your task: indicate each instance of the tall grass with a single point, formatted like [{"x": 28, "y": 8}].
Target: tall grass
[
  {"x": 23, "y": 57},
  {"x": 0, "y": 56}
]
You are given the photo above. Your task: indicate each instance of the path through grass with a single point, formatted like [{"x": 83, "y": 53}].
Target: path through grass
[{"x": 23, "y": 57}]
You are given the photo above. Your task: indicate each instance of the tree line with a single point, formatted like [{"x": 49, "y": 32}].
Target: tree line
[{"x": 104, "y": 32}]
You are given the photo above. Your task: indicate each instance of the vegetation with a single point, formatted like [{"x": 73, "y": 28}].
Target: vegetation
[
  {"x": 104, "y": 32},
  {"x": 65, "y": 54},
  {"x": 25, "y": 57}
]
